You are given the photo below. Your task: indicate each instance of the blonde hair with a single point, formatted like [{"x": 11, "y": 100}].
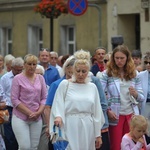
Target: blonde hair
[
  {"x": 30, "y": 58},
  {"x": 138, "y": 121},
  {"x": 82, "y": 57}
]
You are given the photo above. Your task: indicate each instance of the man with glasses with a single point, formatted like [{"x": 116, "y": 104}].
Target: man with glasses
[
  {"x": 51, "y": 73},
  {"x": 6, "y": 82}
]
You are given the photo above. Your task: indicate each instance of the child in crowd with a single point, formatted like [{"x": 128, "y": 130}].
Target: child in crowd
[{"x": 135, "y": 139}]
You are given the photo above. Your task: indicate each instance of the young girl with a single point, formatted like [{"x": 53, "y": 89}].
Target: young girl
[{"x": 135, "y": 139}]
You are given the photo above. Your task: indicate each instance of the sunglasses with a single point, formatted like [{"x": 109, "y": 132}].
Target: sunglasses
[
  {"x": 147, "y": 62},
  {"x": 105, "y": 61},
  {"x": 46, "y": 49}
]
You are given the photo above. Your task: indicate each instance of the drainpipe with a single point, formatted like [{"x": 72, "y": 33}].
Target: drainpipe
[{"x": 99, "y": 21}]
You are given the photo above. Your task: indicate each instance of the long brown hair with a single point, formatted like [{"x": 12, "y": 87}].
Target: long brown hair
[{"x": 129, "y": 67}]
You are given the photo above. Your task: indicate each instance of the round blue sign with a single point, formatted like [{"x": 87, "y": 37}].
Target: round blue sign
[{"x": 77, "y": 7}]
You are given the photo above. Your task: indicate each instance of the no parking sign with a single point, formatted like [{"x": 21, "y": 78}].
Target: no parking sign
[{"x": 77, "y": 7}]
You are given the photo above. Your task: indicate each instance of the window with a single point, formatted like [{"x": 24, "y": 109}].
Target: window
[
  {"x": 5, "y": 41},
  {"x": 35, "y": 39},
  {"x": 68, "y": 39},
  {"x": 9, "y": 40}
]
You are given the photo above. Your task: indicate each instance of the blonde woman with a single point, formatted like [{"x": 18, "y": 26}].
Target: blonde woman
[
  {"x": 28, "y": 97},
  {"x": 76, "y": 107}
]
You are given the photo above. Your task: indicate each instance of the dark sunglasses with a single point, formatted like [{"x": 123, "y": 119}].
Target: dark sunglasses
[
  {"x": 42, "y": 49},
  {"x": 147, "y": 62},
  {"x": 105, "y": 61}
]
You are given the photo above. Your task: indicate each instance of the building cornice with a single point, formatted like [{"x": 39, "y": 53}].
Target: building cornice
[{"x": 7, "y": 5}]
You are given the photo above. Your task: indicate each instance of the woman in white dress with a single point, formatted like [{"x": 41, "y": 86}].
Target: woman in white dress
[{"x": 76, "y": 108}]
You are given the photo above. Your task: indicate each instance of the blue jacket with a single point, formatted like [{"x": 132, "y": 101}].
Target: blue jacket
[
  {"x": 103, "y": 99},
  {"x": 52, "y": 91}
]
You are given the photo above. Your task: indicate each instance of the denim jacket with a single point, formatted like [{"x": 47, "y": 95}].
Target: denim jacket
[{"x": 103, "y": 100}]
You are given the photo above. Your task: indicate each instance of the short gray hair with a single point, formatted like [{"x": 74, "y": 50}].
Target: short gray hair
[
  {"x": 40, "y": 68},
  {"x": 54, "y": 53},
  {"x": 17, "y": 62},
  {"x": 8, "y": 58}
]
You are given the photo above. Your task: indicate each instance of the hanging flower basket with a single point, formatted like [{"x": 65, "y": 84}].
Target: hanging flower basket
[{"x": 51, "y": 8}]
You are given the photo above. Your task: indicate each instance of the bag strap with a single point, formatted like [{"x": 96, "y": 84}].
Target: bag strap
[
  {"x": 59, "y": 130},
  {"x": 66, "y": 91}
]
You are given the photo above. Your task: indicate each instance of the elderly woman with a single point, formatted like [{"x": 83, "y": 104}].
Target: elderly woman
[
  {"x": 76, "y": 107},
  {"x": 39, "y": 69},
  {"x": 67, "y": 67},
  {"x": 28, "y": 97}
]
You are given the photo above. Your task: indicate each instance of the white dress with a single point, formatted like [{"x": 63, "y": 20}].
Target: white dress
[{"x": 81, "y": 113}]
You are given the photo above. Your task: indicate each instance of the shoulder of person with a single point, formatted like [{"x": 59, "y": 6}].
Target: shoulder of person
[
  {"x": 143, "y": 72},
  {"x": 20, "y": 75},
  {"x": 40, "y": 76},
  {"x": 92, "y": 84},
  {"x": 52, "y": 67},
  {"x": 7, "y": 74},
  {"x": 64, "y": 82},
  {"x": 95, "y": 66},
  {"x": 105, "y": 75}
]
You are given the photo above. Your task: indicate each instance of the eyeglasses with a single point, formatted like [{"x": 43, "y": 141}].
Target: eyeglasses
[
  {"x": 147, "y": 62},
  {"x": 54, "y": 58},
  {"x": 46, "y": 49},
  {"x": 105, "y": 61}
]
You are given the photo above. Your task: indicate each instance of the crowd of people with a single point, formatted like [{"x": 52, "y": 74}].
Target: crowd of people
[{"x": 100, "y": 102}]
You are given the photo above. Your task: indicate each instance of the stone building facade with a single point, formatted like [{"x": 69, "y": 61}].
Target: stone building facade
[{"x": 23, "y": 31}]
